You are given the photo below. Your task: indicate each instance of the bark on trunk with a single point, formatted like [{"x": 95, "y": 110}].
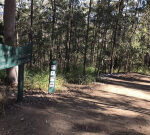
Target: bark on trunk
[
  {"x": 87, "y": 38},
  {"x": 53, "y": 2},
  {"x": 10, "y": 36}
]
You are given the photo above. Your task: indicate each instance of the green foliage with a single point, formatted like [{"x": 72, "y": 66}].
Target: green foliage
[
  {"x": 76, "y": 75},
  {"x": 143, "y": 70},
  {"x": 2, "y": 74},
  {"x": 60, "y": 82},
  {"x": 39, "y": 79},
  {"x": 118, "y": 32},
  {"x": 108, "y": 28}
]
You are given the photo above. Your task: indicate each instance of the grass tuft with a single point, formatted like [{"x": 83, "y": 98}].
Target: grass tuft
[{"x": 39, "y": 79}]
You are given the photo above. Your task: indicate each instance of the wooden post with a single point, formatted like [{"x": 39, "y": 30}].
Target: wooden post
[
  {"x": 20, "y": 83},
  {"x": 12, "y": 56}
]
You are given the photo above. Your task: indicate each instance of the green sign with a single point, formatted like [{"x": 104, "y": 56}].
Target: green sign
[
  {"x": 12, "y": 56},
  {"x": 52, "y": 78}
]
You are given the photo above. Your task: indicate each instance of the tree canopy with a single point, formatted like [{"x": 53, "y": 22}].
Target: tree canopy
[{"x": 107, "y": 35}]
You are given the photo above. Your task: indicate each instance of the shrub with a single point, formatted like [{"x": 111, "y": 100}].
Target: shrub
[{"x": 76, "y": 75}]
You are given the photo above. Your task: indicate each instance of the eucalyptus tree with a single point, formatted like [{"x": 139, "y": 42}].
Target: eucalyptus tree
[
  {"x": 87, "y": 37},
  {"x": 10, "y": 36},
  {"x": 101, "y": 33}
]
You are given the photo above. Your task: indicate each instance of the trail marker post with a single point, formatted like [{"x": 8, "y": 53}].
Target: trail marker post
[
  {"x": 52, "y": 76},
  {"x": 12, "y": 56}
]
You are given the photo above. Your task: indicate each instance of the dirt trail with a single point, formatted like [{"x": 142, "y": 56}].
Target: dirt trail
[{"x": 120, "y": 106}]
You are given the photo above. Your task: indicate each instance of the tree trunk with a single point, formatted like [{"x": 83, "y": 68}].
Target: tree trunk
[
  {"x": 31, "y": 23},
  {"x": 68, "y": 36},
  {"x": 95, "y": 31},
  {"x": 53, "y": 2},
  {"x": 115, "y": 36},
  {"x": 87, "y": 38},
  {"x": 10, "y": 36},
  {"x": 31, "y": 27}
]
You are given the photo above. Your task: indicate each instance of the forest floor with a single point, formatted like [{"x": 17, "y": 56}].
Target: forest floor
[{"x": 118, "y": 106}]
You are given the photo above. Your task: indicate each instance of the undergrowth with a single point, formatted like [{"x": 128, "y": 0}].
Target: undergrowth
[
  {"x": 142, "y": 70},
  {"x": 76, "y": 75},
  {"x": 39, "y": 79}
]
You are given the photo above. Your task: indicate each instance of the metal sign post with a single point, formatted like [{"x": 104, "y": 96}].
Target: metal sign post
[
  {"x": 12, "y": 56},
  {"x": 52, "y": 76}
]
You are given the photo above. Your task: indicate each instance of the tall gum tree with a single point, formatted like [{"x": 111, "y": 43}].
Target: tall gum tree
[
  {"x": 10, "y": 36},
  {"x": 87, "y": 37}
]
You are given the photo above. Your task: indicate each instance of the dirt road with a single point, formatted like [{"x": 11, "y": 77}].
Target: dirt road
[{"x": 120, "y": 106}]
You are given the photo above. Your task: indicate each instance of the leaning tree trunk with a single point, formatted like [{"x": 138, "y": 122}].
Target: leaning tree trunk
[{"x": 10, "y": 36}]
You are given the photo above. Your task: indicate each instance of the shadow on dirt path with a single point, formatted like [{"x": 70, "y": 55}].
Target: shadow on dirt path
[{"x": 98, "y": 109}]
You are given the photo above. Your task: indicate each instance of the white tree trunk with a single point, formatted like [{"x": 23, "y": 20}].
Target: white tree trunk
[{"x": 12, "y": 75}]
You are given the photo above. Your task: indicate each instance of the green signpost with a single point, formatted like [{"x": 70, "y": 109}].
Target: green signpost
[
  {"x": 52, "y": 77},
  {"x": 12, "y": 56}
]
